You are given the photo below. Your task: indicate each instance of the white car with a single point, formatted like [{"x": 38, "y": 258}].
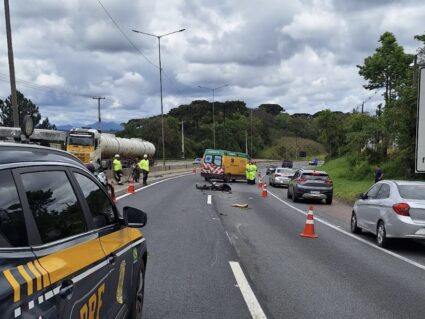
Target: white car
[
  {"x": 281, "y": 177},
  {"x": 391, "y": 209}
]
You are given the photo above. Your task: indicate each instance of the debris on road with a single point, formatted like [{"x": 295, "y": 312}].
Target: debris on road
[
  {"x": 240, "y": 205},
  {"x": 214, "y": 187}
]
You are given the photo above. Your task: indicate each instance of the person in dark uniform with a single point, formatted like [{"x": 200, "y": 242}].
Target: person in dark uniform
[{"x": 378, "y": 173}]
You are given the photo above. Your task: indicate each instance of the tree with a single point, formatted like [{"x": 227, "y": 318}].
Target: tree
[
  {"x": 25, "y": 107},
  {"x": 45, "y": 124},
  {"x": 273, "y": 109},
  {"x": 387, "y": 67}
]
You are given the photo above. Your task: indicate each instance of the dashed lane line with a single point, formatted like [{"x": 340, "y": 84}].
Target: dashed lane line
[
  {"x": 407, "y": 260},
  {"x": 247, "y": 293},
  {"x": 209, "y": 199}
]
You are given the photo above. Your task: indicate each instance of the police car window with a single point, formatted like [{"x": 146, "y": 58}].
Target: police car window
[
  {"x": 12, "y": 224},
  {"x": 54, "y": 205},
  {"x": 98, "y": 202},
  {"x": 217, "y": 160},
  {"x": 208, "y": 159}
]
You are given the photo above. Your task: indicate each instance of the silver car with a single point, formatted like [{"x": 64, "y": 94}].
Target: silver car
[
  {"x": 281, "y": 176},
  {"x": 391, "y": 209}
]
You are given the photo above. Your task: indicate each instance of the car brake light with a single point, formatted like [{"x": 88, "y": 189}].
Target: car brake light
[
  {"x": 402, "y": 209},
  {"x": 329, "y": 181},
  {"x": 300, "y": 180}
]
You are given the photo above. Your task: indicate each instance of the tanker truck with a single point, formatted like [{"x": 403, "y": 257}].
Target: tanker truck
[{"x": 90, "y": 145}]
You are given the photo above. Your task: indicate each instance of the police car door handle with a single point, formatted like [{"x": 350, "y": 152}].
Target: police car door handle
[
  {"x": 66, "y": 289},
  {"x": 112, "y": 258}
]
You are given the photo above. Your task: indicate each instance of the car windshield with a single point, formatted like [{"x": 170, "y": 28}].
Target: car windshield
[
  {"x": 315, "y": 176},
  {"x": 80, "y": 140},
  {"x": 413, "y": 191},
  {"x": 285, "y": 171}
]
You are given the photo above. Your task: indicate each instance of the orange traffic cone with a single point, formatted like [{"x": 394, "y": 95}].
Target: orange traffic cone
[
  {"x": 309, "y": 225},
  {"x": 130, "y": 188},
  {"x": 260, "y": 183},
  {"x": 264, "y": 192}
]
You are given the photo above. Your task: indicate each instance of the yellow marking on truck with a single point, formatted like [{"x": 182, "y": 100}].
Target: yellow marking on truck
[
  {"x": 36, "y": 274},
  {"x": 27, "y": 278},
  {"x": 15, "y": 285}
]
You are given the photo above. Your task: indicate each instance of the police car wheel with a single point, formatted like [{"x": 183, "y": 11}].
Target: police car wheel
[{"x": 137, "y": 307}]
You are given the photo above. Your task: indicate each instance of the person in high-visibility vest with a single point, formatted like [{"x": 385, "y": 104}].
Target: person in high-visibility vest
[
  {"x": 144, "y": 167},
  {"x": 248, "y": 172},
  {"x": 254, "y": 171},
  {"x": 117, "y": 168}
]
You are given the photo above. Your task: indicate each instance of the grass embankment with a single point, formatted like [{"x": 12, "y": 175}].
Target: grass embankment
[
  {"x": 287, "y": 148},
  {"x": 348, "y": 183}
]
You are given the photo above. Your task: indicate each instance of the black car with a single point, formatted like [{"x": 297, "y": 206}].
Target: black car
[
  {"x": 310, "y": 184},
  {"x": 271, "y": 169},
  {"x": 66, "y": 252},
  {"x": 287, "y": 163}
]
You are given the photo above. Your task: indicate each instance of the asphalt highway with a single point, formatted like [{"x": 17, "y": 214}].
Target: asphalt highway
[{"x": 197, "y": 241}]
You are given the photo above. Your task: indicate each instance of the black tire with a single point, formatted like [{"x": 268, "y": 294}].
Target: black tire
[
  {"x": 295, "y": 197},
  {"x": 137, "y": 306},
  {"x": 353, "y": 224},
  {"x": 233, "y": 180},
  {"x": 381, "y": 235},
  {"x": 329, "y": 200}
]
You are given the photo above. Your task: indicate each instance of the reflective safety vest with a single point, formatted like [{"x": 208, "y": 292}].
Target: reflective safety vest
[
  {"x": 117, "y": 165},
  {"x": 144, "y": 165},
  {"x": 247, "y": 171},
  {"x": 253, "y": 171}
]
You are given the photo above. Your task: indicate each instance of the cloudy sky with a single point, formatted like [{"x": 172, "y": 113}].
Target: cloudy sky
[{"x": 301, "y": 54}]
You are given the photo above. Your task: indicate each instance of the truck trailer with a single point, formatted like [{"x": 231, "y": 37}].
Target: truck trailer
[{"x": 90, "y": 146}]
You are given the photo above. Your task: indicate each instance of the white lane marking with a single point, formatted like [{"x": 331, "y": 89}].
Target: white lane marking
[
  {"x": 337, "y": 228},
  {"x": 153, "y": 184},
  {"x": 209, "y": 200},
  {"x": 247, "y": 293}
]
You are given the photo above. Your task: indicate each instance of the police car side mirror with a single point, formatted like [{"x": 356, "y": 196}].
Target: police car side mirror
[{"x": 134, "y": 217}]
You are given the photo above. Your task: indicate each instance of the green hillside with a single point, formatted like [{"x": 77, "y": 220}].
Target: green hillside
[{"x": 289, "y": 147}]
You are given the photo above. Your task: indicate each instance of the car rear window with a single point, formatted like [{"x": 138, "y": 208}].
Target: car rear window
[
  {"x": 285, "y": 171},
  {"x": 415, "y": 191},
  {"x": 315, "y": 176}
]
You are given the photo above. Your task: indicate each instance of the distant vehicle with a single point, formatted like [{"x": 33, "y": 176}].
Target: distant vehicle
[
  {"x": 313, "y": 162},
  {"x": 391, "y": 209},
  {"x": 90, "y": 145},
  {"x": 224, "y": 165},
  {"x": 270, "y": 169},
  {"x": 197, "y": 161},
  {"x": 310, "y": 184},
  {"x": 281, "y": 176},
  {"x": 287, "y": 163}
]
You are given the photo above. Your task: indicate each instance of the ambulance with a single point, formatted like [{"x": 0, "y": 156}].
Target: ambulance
[{"x": 224, "y": 165}]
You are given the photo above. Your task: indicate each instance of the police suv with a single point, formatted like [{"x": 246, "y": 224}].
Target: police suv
[{"x": 65, "y": 252}]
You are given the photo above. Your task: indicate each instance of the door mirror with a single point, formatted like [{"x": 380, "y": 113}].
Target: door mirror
[
  {"x": 362, "y": 196},
  {"x": 134, "y": 217}
]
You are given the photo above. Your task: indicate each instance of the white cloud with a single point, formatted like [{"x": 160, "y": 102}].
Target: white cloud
[{"x": 301, "y": 54}]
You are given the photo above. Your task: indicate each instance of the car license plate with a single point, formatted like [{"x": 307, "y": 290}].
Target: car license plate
[{"x": 314, "y": 192}]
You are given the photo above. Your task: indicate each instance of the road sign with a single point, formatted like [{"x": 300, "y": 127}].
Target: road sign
[{"x": 420, "y": 124}]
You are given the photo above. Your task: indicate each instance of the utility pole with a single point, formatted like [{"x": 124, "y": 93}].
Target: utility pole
[
  {"x": 98, "y": 98},
  {"x": 15, "y": 111},
  {"x": 251, "y": 133},
  {"x": 246, "y": 141},
  {"x": 182, "y": 140},
  {"x": 362, "y": 107}
]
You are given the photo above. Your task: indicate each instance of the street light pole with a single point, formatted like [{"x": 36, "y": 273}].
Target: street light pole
[
  {"x": 160, "y": 83},
  {"x": 213, "y": 101},
  {"x": 98, "y": 98}
]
